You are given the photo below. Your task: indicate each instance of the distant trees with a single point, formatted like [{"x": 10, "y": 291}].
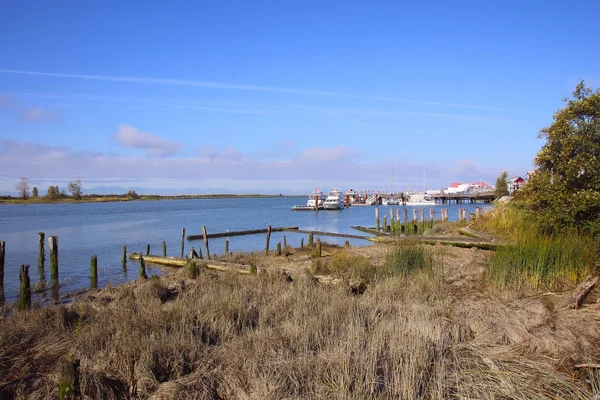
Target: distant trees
[
  {"x": 564, "y": 191},
  {"x": 75, "y": 189},
  {"x": 34, "y": 192},
  {"x": 133, "y": 195},
  {"x": 501, "y": 185},
  {"x": 23, "y": 187},
  {"x": 53, "y": 192}
]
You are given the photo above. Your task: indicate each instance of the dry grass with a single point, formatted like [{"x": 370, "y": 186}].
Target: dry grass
[{"x": 429, "y": 331}]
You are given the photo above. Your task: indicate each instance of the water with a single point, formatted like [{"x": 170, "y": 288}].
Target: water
[{"x": 85, "y": 229}]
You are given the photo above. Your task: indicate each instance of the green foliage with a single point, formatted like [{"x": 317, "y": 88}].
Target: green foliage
[
  {"x": 542, "y": 261},
  {"x": 35, "y": 192},
  {"x": 501, "y": 185},
  {"x": 133, "y": 195},
  {"x": 408, "y": 256},
  {"x": 564, "y": 192},
  {"x": 52, "y": 193}
]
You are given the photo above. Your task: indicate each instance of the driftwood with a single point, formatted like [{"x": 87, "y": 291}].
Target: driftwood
[
  {"x": 240, "y": 233},
  {"x": 369, "y": 230},
  {"x": 355, "y": 286},
  {"x": 594, "y": 366},
  {"x": 582, "y": 290},
  {"x": 181, "y": 262},
  {"x": 323, "y": 233}
]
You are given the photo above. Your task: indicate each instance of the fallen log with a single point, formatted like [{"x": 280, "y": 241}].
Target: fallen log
[
  {"x": 240, "y": 233},
  {"x": 582, "y": 290},
  {"x": 181, "y": 262},
  {"x": 323, "y": 233},
  {"x": 355, "y": 286},
  {"x": 369, "y": 230}
]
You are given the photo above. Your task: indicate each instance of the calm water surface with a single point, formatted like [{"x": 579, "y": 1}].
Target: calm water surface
[{"x": 86, "y": 229}]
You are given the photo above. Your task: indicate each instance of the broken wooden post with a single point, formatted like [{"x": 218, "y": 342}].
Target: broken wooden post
[
  {"x": 191, "y": 269},
  {"x": 415, "y": 214},
  {"x": 391, "y": 215},
  {"x": 268, "y": 239},
  {"x": 143, "y": 274},
  {"x": 582, "y": 290},
  {"x": 182, "y": 242},
  {"x": 25, "y": 294},
  {"x": 347, "y": 243},
  {"x": 199, "y": 252},
  {"x": 311, "y": 238},
  {"x": 124, "y": 256},
  {"x": 253, "y": 270},
  {"x": 318, "y": 253},
  {"x": 205, "y": 242},
  {"x": 164, "y": 248},
  {"x": 68, "y": 385},
  {"x": 226, "y": 246},
  {"x": 422, "y": 215},
  {"x": 2, "y": 258},
  {"x": 377, "y": 218},
  {"x": 53, "y": 242},
  {"x": 431, "y": 216},
  {"x": 94, "y": 271},
  {"x": 41, "y": 252},
  {"x": 148, "y": 250},
  {"x": 284, "y": 242},
  {"x": 405, "y": 215},
  {"x": 301, "y": 242},
  {"x": 477, "y": 212},
  {"x": 278, "y": 249},
  {"x": 385, "y": 223},
  {"x": 193, "y": 254},
  {"x": 397, "y": 215}
]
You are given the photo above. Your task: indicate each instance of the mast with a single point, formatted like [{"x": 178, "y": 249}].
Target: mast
[{"x": 391, "y": 176}]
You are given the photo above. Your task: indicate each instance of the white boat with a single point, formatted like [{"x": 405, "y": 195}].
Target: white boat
[
  {"x": 316, "y": 199},
  {"x": 419, "y": 199},
  {"x": 392, "y": 201},
  {"x": 335, "y": 200}
]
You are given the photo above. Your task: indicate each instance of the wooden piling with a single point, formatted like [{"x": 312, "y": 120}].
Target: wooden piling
[
  {"x": 431, "y": 215},
  {"x": 311, "y": 237},
  {"x": 385, "y": 224},
  {"x": 25, "y": 283},
  {"x": 268, "y": 240},
  {"x": 41, "y": 251},
  {"x": 94, "y": 271},
  {"x": 422, "y": 215},
  {"x": 68, "y": 385},
  {"x": 301, "y": 242},
  {"x": 124, "y": 256},
  {"x": 194, "y": 254},
  {"x": 278, "y": 249},
  {"x": 415, "y": 214},
  {"x": 2, "y": 258},
  {"x": 284, "y": 242},
  {"x": 377, "y": 218},
  {"x": 199, "y": 252},
  {"x": 477, "y": 212},
  {"x": 347, "y": 243},
  {"x": 318, "y": 253},
  {"x": 397, "y": 215},
  {"x": 164, "y": 248},
  {"x": 182, "y": 241},
  {"x": 405, "y": 215},
  {"x": 53, "y": 244},
  {"x": 205, "y": 242},
  {"x": 391, "y": 215},
  {"x": 226, "y": 246},
  {"x": 143, "y": 274},
  {"x": 148, "y": 250},
  {"x": 191, "y": 269}
]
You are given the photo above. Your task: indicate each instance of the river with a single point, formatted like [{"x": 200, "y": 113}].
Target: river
[{"x": 85, "y": 229}]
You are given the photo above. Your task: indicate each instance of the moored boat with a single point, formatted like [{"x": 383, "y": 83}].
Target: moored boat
[
  {"x": 334, "y": 200},
  {"x": 315, "y": 201}
]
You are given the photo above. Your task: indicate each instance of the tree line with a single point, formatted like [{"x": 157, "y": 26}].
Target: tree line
[{"x": 53, "y": 193}]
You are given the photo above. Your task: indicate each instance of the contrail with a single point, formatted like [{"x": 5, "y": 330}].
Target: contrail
[{"x": 234, "y": 86}]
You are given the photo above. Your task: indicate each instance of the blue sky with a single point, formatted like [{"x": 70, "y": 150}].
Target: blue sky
[{"x": 283, "y": 96}]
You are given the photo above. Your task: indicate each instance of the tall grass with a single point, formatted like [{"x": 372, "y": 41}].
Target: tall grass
[{"x": 535, "y": 259}]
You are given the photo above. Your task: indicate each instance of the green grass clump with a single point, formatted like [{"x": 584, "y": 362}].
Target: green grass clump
[
  {"x": 542, "y": 262},
  {"x": 343, "y": 265}
]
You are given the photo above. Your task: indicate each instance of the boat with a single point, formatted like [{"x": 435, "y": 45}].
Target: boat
[
  {"x": 334, "y": 200},
  {"x": 315, "y": 202},
  {"x": 419, "y": 199}
]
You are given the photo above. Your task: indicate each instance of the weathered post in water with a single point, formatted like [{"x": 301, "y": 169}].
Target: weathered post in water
[
  {"x": 2, "y": 257},
  {"x": 143, "y": 274},
  {"x": 311, "y": 237},
  {"x": 422, "y": 215},
  {"x": 94, "y": 271},
  {"x": 53, "y": 242},
  {"x": 278, "y": 249},
  {"x": 191, "y": 269},
  {"x": 148, "y": 250},
  {"x": 205, "y": 242},
  {"x": 284, "y": 242},
  {"x": 384, "y": 223},
  {"x": 415, "y": 214},
  {"x": 68, "y": 385},
  {"x": 397, "y": 215},
  {"x": 318, "y": 253},
  {"x": 182, "y": 241},
  {"x": 347, "y": 243},
  {"x": 377, "y": 218},
  {"x": 226, "y": 246},
  {"x": 405, "y": 216},
  {"x": 301, "y": 242},
  {"x": 25, "y": 293},
  {"x": 431, "y": 216},
  {"x": 124, "y": 257},
  {"x": 477, "y": 212},
  {"x": 164, "y": 248},
  {"x": 41, "y": 252},
  {"x": 268, "y": 239}
]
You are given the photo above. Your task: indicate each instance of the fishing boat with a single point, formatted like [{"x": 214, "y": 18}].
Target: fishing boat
[{"x": 334, "y": 200}]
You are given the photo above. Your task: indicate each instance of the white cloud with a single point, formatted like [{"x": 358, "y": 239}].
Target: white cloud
[
  {"x": 21, "y": 111},
  {"x": 37, "y": 114},
  {"x": 129, "y": 136}
]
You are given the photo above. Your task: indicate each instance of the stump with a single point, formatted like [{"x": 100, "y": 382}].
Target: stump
[
  {"x": 68, "y": 386},
  {"x": 143, "y": 274},
  {"x": 25, "y": 286}
]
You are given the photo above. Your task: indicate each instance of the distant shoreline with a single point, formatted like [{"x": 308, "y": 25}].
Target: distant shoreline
[{"x": 110, "y": 198}]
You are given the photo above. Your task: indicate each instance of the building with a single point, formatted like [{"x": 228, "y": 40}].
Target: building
[{"x": 514, "y": 183}]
